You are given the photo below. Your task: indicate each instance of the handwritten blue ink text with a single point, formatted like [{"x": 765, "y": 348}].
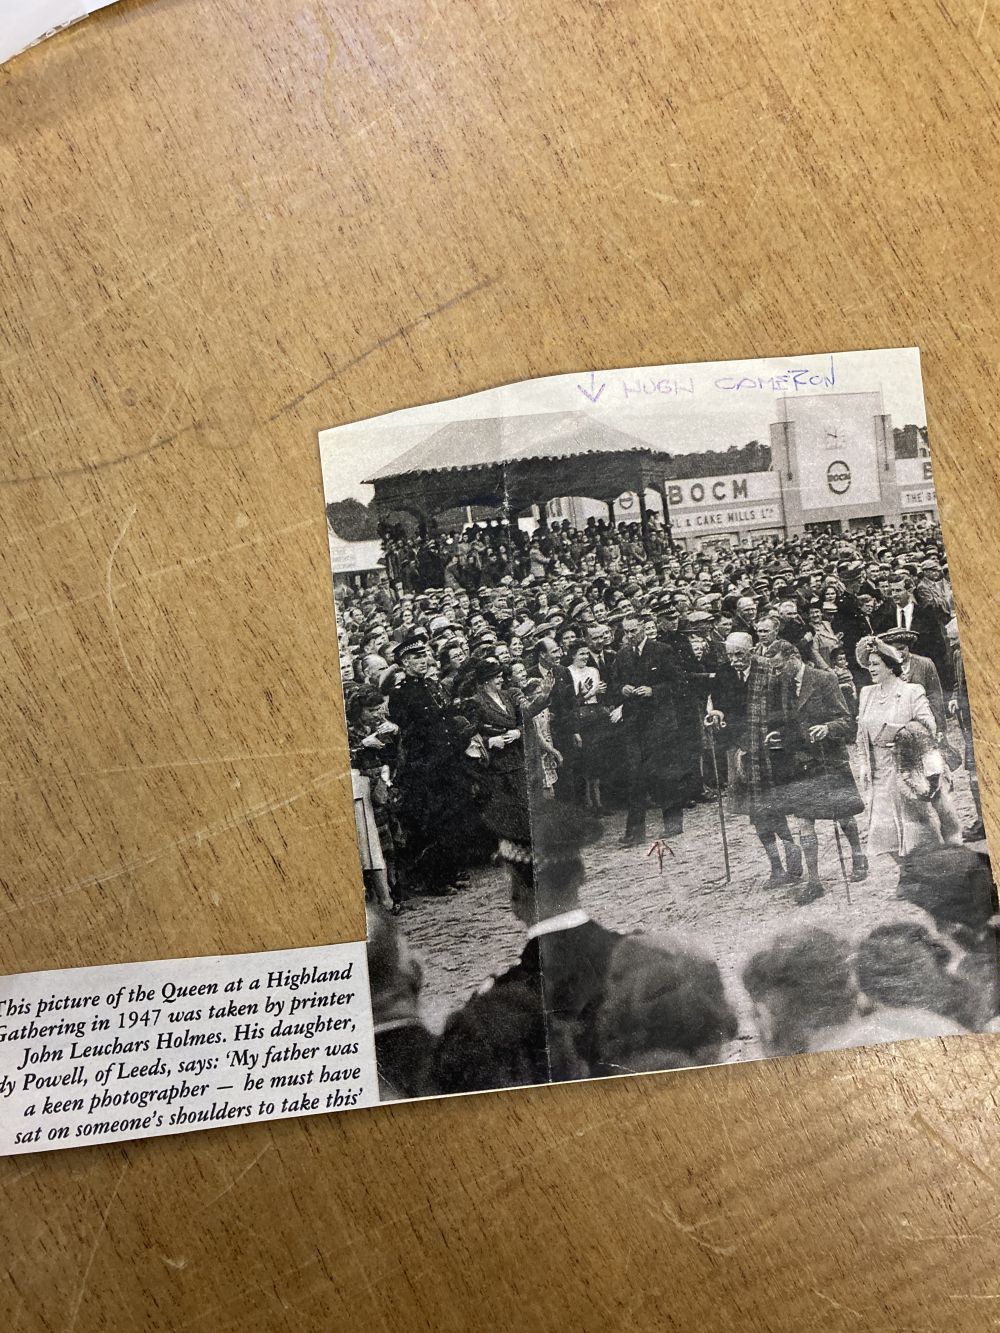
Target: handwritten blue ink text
[{"x": 789, "y": 381}]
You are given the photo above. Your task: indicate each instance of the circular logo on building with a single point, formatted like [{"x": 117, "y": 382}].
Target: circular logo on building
[
  {"x": 625, "y": 501},
  {"x": 838, "y": 477}
]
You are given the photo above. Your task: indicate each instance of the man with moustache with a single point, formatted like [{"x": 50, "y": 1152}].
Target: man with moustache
[{"x": 745, "y": 695}]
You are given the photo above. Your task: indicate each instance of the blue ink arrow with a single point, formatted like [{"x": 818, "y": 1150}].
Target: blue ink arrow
[{"x": 591, "y": 393}]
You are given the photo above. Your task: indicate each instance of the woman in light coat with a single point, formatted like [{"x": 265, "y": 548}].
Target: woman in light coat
[{"x": 903, "y": 775}]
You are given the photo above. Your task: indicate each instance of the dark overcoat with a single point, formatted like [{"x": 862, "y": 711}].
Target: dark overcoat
[
  {"x": 431, "y": 777},
  {"x": 651, "y": 725},
  {"x": 506, "y": 807}
]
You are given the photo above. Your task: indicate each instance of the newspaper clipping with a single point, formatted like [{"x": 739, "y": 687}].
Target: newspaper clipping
[
  {"x": 659, "y": 729},
  {"x": 661, "y": 753}
]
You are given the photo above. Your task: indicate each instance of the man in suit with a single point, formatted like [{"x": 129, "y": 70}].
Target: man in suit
[
  {"x": 919, "y": 670},
  {"x": 792, "y": 628},
  {"x": 558, "y": 684},
  {"x": 611, "y": 760},
  {"x": 902, "y": 611},
  {"x": 599, "y": 638},
  {"x": 647, "y": 678},
  {"x": 809, "y": 735},
  {"x": 767, "y": 631},
  {"x": 959, "y": 706},
  {"x": 933, "y": 588}
]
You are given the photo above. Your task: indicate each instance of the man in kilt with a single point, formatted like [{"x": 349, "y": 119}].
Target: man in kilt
[
  {"x": 745, "y": 696},
  {"x": 808, "y": 737}
]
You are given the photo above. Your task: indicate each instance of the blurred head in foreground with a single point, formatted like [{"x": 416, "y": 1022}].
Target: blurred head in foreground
[
  {"x": 901, "y": 965},
  {"x": 664, "y": 1008},
  {"x": 800, "y": 984},
  {"x": 402, "y": 1044}
]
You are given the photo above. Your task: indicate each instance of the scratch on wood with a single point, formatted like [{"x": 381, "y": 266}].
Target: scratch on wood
[
  {"x": 109, "y": 591},
  {"x": 633, "y": 259},
  {"x": 693, "y": 202},
  {"x": 764, "y": 177},
  {"x": 195, "y": 839},
  {"x": 401, "y": 332},
  {"x": 837, "y": 1305},
  {"x": 87, "y": 469},
  {"x": 724, "y": 1127},
  {"x": 32, "y": 534},
  {"x": 235, "y": 1181},
  {"x": 248, "y": 1293},
  {"x": 209, "y": 762},
  {"x": 330, "y": 37},
  {"x": 918, "y": 1238},
  {"x": 99, "y": 1232},
  {"x": 691, "y": 1230},
  {"x": 151, "y": 575},
  {"x": 779, "y": 142},
  {"x": 360, "y": 1266},
  {"x": 932, "y": 1132},
  {"x": 189, "y": 562}
]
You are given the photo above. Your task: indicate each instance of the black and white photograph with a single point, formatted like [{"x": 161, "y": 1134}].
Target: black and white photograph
[{"x": 660, "y": 740}]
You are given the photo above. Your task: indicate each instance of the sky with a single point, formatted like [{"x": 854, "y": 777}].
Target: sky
[{"x": 680, "y": 409}]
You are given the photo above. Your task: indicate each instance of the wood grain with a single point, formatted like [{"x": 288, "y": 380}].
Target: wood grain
[{"x": 224, "y": 226}]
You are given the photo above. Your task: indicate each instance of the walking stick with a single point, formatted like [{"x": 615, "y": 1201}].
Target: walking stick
[
  {"x": 836, "y": 828},
  {"x": 722, "y": 812}
]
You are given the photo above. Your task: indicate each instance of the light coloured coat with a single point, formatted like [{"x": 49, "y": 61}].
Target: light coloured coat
[{"x": 901, "y": 812}]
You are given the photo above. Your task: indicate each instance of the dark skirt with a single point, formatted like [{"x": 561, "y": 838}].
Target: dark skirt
[
  {"x": 506, "y": 811},
  {"x": 594, "y": 730}
]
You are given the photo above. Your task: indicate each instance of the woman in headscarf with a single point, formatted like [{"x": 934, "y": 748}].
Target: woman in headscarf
[{"x": 902, "y": 771}]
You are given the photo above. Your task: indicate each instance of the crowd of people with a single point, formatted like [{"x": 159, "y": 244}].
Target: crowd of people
[
  {"x": 616, "y": 677},
  {"x": 583, "y": 1001},
  {"x": 499, "y": 684}
]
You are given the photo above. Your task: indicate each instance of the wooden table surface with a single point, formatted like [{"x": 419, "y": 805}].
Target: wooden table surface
[{"x": 226, "y": 225}]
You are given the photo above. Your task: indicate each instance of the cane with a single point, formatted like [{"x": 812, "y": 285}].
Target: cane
[
  {"x": 718, "y": 792},
  {"x": 836, "y": 827}
]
